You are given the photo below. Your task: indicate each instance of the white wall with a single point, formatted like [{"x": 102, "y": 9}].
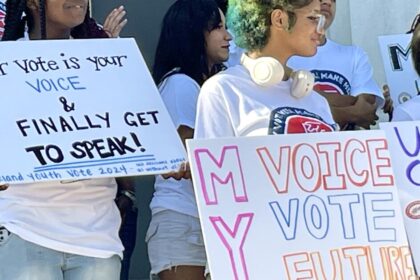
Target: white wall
[{"x": 360, "y": 22}]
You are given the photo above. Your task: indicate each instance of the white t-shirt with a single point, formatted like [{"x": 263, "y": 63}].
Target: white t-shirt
[
  {"x": 179, "y": 93},
  {"x": 340, "y": 69},
  {"x": 77, "y": 217},
  {"x": 231, "y": 104},
  {"x": 408, "y": 111}
]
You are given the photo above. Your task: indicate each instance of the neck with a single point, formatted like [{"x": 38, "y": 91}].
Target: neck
[
  {"x": 210, "y": 64},
  {"x": 52, "y": 33}
]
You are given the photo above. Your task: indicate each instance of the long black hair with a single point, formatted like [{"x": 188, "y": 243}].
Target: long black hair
[
  {"x": 18, "y": 16},
  {"x": 182, "y": 43}
]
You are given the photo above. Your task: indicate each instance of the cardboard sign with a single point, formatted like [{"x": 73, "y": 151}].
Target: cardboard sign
[
  {"x": 404, "y": 146},
  {"x": 313, "y": 206},
  {"x": 81, "y": 109},
  {"x": 402, "y": 79}
]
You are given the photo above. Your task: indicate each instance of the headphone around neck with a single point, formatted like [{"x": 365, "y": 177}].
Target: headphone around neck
[{"x": 267, "y": 71}]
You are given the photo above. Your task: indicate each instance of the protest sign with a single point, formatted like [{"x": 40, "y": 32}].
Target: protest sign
[
  {"x": 313, "y": 206},
  {"x": 404, "y": 146},
  {"x": 81, "y": 109},
  {"x": 403, "y": 81}
]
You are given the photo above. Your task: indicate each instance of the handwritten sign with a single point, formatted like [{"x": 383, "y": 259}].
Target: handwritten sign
[
  {"x": 81, "y": 108},
  {"x": 314, "y": 206},
  {"x": 403, "y": 81},
  {"x": 404, "y": 145}
]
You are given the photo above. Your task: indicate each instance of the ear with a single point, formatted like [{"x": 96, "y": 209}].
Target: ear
[{"x": 280, "y": 19}]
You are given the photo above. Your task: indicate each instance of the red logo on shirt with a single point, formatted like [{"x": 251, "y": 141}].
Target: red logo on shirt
[
  {"x": 285, "y": 120},
  {"x": 327, "y": 88},
  {"x": 302, "y": 124},
  {"x": 331, "y": 82}
]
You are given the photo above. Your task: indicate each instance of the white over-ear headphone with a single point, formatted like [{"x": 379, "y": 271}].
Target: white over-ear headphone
[{"x": 268, "y": 71}]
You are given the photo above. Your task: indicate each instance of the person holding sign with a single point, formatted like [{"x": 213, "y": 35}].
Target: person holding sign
[
  {"x": 193, "y": 45},
  {"x": 344, "y": 76},
  {"x": 409, "y": 111},
  {"x": 259, "y": 97},
  {"x": 65, "y": 229}
]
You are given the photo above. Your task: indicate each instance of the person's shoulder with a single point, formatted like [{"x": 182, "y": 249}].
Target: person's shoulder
[
  {"x": 228, "y": 78},
  {"x": 408, "y": 111},
  {"x": 341, "y": 47},
  {"x": 346, "y": 51},
  {"x": 231, "y": 74},
  {"x": 411, "y": 105},
  {"x": 180, "y": 79}
]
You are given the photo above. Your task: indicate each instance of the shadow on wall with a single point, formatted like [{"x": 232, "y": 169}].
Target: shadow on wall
[{"x": 144, "y": 21}]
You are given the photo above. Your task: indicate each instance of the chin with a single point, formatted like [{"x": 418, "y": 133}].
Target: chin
[{"x": 308, "y": 53}]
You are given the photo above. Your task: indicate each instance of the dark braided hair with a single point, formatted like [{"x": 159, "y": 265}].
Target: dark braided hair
[
  {"x": 42, "y": 19},
  {"x": 15, "y": 22}
]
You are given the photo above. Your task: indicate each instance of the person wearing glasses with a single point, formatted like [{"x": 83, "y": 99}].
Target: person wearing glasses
[
  {"x": 344, "y": 76},
  {"x": 260, "y": 96}
]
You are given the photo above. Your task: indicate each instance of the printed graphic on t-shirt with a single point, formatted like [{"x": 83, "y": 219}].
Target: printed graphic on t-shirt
[
  {"x": 2, "y": 17},
  {"x": 331, "y": 82},
  {"x": 287, "y": 120}
]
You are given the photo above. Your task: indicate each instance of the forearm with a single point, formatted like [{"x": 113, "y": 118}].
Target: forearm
[
  {"x": 370, "y": 98},
  {"x": 343, "y": 115},
  {"x": 338, "y": 100}
]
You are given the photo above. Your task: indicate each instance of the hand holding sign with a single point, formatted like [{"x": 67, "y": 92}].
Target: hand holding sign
[{"x": 184, "y": 172}]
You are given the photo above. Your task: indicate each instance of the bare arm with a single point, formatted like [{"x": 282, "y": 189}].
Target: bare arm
[
  {"x": 126, "y": 196},
  {"x": 360, "y": 110}
]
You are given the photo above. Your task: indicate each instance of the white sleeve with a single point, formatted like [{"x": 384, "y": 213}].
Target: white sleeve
[
  {"x": 400, "y": 114},
  {"x": 180, "y": 93},
  {"x": 213, "y": 118},
  {"x": 363, "y": 81}
]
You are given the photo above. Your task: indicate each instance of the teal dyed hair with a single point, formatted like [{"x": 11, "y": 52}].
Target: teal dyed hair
[{"x": 250, "y": 20}]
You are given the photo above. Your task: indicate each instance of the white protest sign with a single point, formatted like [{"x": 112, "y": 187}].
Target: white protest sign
[
  {"x": 402, "y": 79},
  {"x": 81, "y": 108},
  {"x": 313, "y": 206},
  {"x": 404, "y": 146}
]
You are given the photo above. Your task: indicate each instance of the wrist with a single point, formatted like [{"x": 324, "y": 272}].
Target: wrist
[{"x": 129, "y": 194}]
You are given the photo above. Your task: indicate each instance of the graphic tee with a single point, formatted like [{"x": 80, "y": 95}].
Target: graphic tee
[
  {"x": 340, "y": 69},
  {"x": 231, "y": 104}
]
